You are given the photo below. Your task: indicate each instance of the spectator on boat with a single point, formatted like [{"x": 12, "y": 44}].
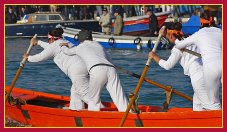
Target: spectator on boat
[
  {"x": 10, "y": 16},
  {"x": 209, "y": 42},
  {"x": 53, "y": 8},
  {"x": 118, "y": 23},
  {"x": 23, "y": 12},
  {"x": 105, "y": 22},
  {"x": 153, "y": 23},
  {"x": 73, "y": 66},
  {"x": 101, "y": 70},
  {"x": 191, "y": 64}
]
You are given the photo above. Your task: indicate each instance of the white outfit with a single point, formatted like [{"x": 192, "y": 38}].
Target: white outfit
[
  {"x": 209, "y": 42},
  {"x": 72, "y": 66},
  {"x": 192, "y": 66},
  {"x": 105, "y": 22},
  {"x": 93, "y": 53}
]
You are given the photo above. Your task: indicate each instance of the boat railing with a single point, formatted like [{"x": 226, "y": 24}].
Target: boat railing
[{"x": 72, "y": 32}]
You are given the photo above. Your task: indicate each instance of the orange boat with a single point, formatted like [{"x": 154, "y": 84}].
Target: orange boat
[{"x": 45, "y": 110}]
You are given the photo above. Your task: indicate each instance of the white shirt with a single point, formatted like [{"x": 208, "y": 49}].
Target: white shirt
[
  {"x": 190, "y": 63},
  {"x": 90, "y": 51},
  {"x": 208, "y": 40},
  {"x": 53, "y": 50}
]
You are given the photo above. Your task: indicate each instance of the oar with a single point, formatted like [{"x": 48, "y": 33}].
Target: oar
[
  {"x": 154, "y": 83},
  {"x": 192, "y": 52},
  {"x": 140, "y": 80},
  {"x": 22, "y": 63}
]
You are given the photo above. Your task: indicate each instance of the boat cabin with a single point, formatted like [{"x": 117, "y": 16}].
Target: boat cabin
[{"x": 42, "y": 17}]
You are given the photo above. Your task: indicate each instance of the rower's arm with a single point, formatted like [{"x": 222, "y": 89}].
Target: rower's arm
[
  {"x": 172, "y": 60},
  {"x": 43, "y": 44},
  {"x": 187, "y": 41},
  {"x": 69, "y": 51}
]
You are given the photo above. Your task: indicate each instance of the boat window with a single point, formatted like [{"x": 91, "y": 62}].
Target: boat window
[
  {"x": 39, "y": 18},
  {"x": 54, "y": 18}
]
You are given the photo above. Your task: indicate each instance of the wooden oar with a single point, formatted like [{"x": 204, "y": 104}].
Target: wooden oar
[
  {"x": 154, "y": 83},
  {"x": 22, "y": 63},
  {"x": 192, "y": 52},
  {"x": 140, "y": 80}
]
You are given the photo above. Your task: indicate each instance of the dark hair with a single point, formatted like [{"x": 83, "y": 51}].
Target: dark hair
[
  {"x": 85, "y": 35},
  {"x": 57, "y": 32},
  {"x": 176, "y": 26},
  {"x": 207, "y": 16}
]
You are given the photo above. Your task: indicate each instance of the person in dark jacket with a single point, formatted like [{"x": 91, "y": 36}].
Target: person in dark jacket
[
  {"x": 118, "y": 23},
  {"x": 10, "y": 16},
  {"x": 153, "y": 23}
]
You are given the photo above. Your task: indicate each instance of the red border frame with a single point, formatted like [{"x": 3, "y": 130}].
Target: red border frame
[{"x": 96, "y": 2}]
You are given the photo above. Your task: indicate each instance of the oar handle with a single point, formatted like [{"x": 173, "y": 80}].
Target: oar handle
[
  {"x": 30, "y": 46},
  {"x": 22, "y": 63},
  {"x": 155, "y": 46}
]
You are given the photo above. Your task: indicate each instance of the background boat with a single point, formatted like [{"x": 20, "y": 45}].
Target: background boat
[
  {"x": 139, "y": 25},
  {"x": 115, "y": 42},
  {"x": 47, "y": 110},
  {"x": 42, "y": 23}
]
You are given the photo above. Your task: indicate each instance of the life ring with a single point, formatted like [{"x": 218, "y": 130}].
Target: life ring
[
  {"x": 149, "y": 44},
  {"x": 76, "y": 37},
  {"x": 111, "y": 41},
  {"x": 137, "y": 41}
]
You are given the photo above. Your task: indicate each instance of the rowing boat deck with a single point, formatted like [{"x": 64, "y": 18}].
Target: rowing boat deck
[{"x": 45, "y": 110}]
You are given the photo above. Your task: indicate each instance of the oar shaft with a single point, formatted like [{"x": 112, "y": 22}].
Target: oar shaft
[
  {"x": 22, "y": 63},
  {"x": 140, "y": 80},
  {"x": 135, "y": 94},
  {"x": 13, "y": 82},
  {"x": 154, "y": 83},
  {"x": 192, "y": 52},
  {"x": 168, "y": 89}
]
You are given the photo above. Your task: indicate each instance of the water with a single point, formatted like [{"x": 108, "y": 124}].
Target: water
[{"x": 47, "y": 77}]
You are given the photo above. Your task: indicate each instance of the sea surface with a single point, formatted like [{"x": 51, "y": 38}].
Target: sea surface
[{"x": 47, "y": 77}]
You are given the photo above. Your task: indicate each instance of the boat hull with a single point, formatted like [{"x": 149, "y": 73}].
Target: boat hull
[
  {"x": 116, "y": 42},
  {"x": 44, "y": 110},
  {"x": 140, "y": 26},
  {"x": 41, "y": 29}
]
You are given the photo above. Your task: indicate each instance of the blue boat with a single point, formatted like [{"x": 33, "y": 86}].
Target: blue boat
[
  {"x": 115, "y": 42},
  {"x": 41, "y": 23},
  {"x": 191, "y": 26}
]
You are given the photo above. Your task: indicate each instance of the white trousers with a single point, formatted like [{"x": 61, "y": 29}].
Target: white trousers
[
  {"x": 212, "y": 71},
  {"x": 79, "y": 88},
  {"x": 200, "y": 96},
  {"x": 99, "y": 77}
]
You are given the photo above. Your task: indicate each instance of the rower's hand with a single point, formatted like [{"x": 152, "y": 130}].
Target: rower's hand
[
  {"x": 152, "y": 54},
  {"x": 34, "y": 41},
  {"x": 155, "y": 33},
  {"x": 64, "y": 44},
  {"x": 162, "y": 32}
]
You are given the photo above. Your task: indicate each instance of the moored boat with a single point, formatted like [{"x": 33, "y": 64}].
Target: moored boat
[
  {"x": 139, "y": 25},
  {"x": 42, "y": 23},
  {"x": 46, "y": 110},
  {"x": 115, "y": 42}
]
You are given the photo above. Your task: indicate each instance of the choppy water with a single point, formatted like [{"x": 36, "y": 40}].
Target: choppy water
[{"x": 47, "y": 77}]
